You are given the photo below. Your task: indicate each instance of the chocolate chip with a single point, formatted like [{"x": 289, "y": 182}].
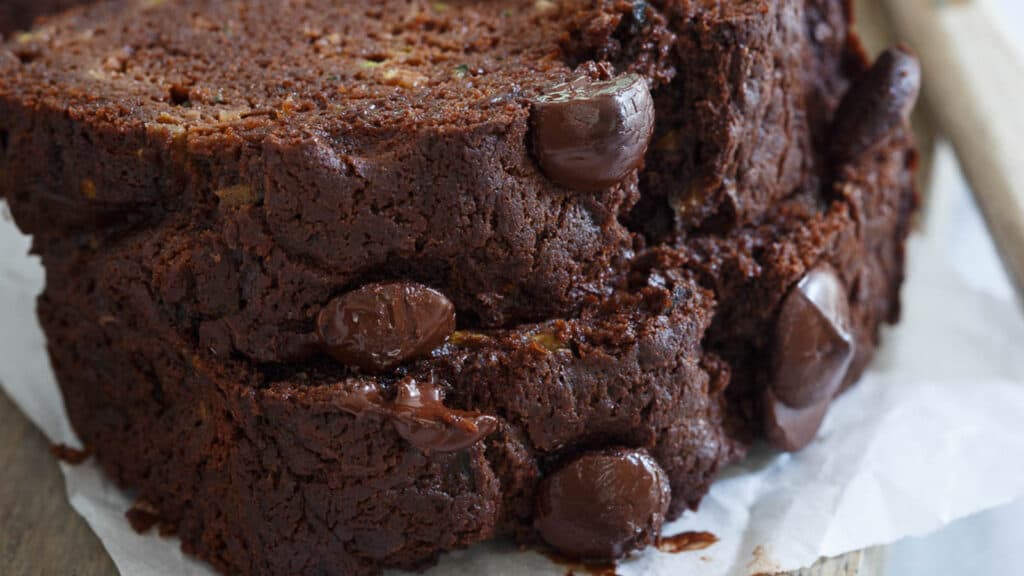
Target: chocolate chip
[
  {"x": 425, "y": 422},
  {"x": 380, "y": 326},
  {"x": 419, "y": 415},
  {"x": 360, "y": 397},
  {"x": 814, "y": 348},
  {"x": 590, "y": 135},
  {"x": 880, "y": 102},
  {"x": 603, "y": 505},
  {"x": 791, "y": 429}
]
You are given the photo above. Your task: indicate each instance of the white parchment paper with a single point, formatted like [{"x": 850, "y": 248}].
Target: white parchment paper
[{"x": 934, "y": 432}]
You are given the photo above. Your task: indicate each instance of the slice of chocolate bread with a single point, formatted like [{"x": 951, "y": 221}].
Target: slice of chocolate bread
[
  {"x": 376, "y": 140},
  {"x": 315, "y": 467}
]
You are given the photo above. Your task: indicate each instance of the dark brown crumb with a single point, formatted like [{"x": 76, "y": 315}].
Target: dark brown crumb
[
  {"x": 142, "y": 516},
  {"x": 70, "y": 455}
]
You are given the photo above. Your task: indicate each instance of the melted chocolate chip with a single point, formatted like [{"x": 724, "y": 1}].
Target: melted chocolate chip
[
  {"x": 422, "y": 418},
  {"x": 590, "y": 135},
  {"x": 880, "y": 102},
  {"x": 814, "y": 348},
  {"x": 419, "y": 415},
  {"x": 361, "y": 397},
  {"x": 603, "y": 505},
  {"x": 380, "y": 326}
]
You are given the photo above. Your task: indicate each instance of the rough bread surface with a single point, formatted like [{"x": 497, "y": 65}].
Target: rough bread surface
[{"x": 19, "y": 15}]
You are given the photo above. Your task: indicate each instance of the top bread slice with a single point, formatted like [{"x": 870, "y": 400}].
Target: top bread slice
[{"x": 375, "y": 139}]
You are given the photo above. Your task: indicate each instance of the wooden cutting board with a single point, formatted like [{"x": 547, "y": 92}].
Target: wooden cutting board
[{"x": 42, "y": 534}]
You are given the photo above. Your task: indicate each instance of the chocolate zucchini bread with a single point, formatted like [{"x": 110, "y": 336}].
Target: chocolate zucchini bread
[{"x": 340, "y": 286}]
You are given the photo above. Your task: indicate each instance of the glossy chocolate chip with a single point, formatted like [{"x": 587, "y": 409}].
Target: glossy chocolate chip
[
  {"x": 590, "y": 135},
  {"x": 880, "y": 102},
  {"x": 814, "y": 348},
  {"x": 419, "y": 415},
  {"x": 425, "y": 422},
  {"x": 603, "y": 505},
  {"x": 380, "y": 326},
  {"x": 791, "y": 429}
]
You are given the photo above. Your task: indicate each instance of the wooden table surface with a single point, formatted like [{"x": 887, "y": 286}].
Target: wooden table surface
[{"x": 40, "y": 534}]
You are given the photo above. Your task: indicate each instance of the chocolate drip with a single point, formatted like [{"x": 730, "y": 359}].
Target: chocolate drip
[{"x": 419, "y": 415}]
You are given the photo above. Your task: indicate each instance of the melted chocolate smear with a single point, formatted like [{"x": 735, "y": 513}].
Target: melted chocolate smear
[
  {"x": 419, "y": 416},
  {"x": 422, "y": 418},
  {"x": 70, "y": 455},
  {"x": 686, "y": 542}
]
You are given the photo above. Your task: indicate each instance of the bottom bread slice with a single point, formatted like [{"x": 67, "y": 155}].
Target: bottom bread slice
[{"x": 314, "y": 469}]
